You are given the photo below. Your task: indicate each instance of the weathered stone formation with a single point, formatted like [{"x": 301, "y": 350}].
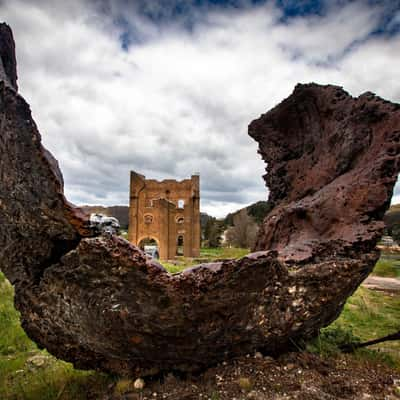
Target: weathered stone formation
[
  {"x": 8, "y": 65},
  {"x": 167, "y": 212},
  {"x": 101, "y": 303},
  {"x": 332, "y": 164}
]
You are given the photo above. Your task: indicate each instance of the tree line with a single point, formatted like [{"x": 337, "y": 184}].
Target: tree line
[{"x": 238, "y": 229}]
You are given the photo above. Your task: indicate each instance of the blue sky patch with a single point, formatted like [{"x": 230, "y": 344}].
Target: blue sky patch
[{"x": 187, "y": 13}]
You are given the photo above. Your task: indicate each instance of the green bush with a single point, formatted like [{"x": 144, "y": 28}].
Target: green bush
[{"x": 331, "y": 339}]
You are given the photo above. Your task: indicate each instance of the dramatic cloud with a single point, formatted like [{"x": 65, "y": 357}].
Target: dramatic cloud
[{"x": 167, "y": 88}]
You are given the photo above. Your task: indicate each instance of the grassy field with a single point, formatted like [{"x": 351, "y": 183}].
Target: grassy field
[
  {"x": 367, "y": 315},
  {"x": 387, "y": 267},
  {"x": 28, "y": 373},
  {"x": 206, "y": 255}
]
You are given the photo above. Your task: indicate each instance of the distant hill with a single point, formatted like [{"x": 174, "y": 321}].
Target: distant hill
[
  {"x": 260, "y": 209},
  {"x": 256, "y": 210},
  {"x": 204, "y": 217},
  {"x": 393, "y": 208},
  {"x": 392, "y": 216}
]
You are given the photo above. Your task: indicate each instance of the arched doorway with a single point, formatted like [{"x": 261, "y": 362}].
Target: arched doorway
[
  {"x": 179, "y": 245},
  {"x": 150, "y": 246}
]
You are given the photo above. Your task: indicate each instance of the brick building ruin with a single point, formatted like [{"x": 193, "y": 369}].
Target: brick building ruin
[{"x": 167, "y": 212}]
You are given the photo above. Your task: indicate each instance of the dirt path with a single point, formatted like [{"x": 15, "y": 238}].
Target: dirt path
[{"x": 380, "y": 283}]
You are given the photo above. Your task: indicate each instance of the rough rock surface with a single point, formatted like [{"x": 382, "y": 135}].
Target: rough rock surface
[
  {"x": 8, "y": 65},
  {"x": 101, "y": 303},
  {"x": 332, "y": 163}
]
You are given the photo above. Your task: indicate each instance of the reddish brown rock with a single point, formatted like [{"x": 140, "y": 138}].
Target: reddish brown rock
[
  {"x": 332, "y": 161},
  {"x": 8, "y": 65},
  {"x": 101, "y": 303}
]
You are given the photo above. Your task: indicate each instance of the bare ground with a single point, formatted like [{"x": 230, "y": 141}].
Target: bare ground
[{"x": 302, "y": 376}]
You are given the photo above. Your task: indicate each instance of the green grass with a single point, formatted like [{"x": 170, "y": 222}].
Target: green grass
[
  {"x": 174, "y": 268},
  {"x": 223, "y": 252},
  {"x": 367, "y": 315},
  {"x": 206, "y": 255},
  {"x": 389, "y": 268},
  {"x": 123, "y": 233},
  {"x": 20, "y": 378}
]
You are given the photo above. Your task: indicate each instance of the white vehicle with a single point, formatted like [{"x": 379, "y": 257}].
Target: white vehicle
[
  {"x": 152, "y": 251},
  {"x": 104, "y": 224}
]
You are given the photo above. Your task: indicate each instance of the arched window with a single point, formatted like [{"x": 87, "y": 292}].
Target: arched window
[
  {"x": 179, "y": 245},
  {"x": 180, "y": 219},
  {"x": 148, "y": 219},
  {"x": 181, "y": 203}
]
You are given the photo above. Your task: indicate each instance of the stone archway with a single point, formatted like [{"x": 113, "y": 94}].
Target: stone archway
[
  {"x": 150, "y": 245},
  {"x": 148, "y": 240}
]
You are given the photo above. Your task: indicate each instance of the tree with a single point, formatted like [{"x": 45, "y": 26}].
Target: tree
[
  {"x": 395, "y": 231},
  {"x": 243, "y": 232},
  {"x": 258, "y": 211},
  {"x": 392, "y": 222},
  {"x": 212, "y": 232}
]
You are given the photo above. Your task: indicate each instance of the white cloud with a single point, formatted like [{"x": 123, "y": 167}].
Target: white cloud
[
  {"x": 320, "y": 39},
  {"x": 179, "y": 101}
]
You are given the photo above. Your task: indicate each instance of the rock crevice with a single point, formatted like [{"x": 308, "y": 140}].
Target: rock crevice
[{"x": 99, "y": 302}]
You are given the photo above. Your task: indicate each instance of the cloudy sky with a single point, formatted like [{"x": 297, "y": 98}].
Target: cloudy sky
[{"x": 168, "y": 87}]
